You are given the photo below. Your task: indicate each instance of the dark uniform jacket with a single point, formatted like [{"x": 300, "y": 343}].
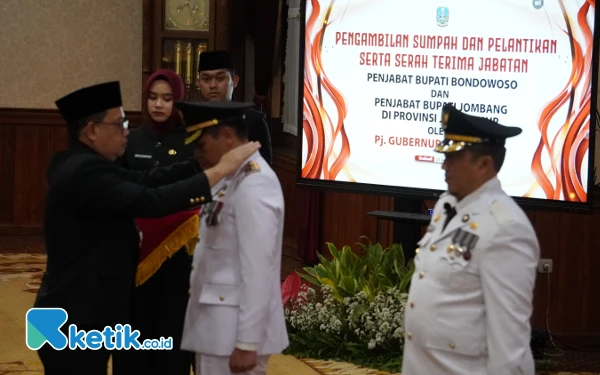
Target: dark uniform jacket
[
  {"x": 91, "y": 239},
  {"x": 148, "y": 150}
]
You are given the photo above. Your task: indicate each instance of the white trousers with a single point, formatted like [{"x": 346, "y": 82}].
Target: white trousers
[{"x": 211, "y": 365}]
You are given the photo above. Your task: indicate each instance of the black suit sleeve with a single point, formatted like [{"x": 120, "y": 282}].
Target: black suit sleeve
[
  {"x": 259, "y": 131},
  {"x": 159, "y": 176},
  {"x": 99, "y": 185}
]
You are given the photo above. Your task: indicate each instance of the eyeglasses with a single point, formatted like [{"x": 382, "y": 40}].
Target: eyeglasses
[{"x": 123, "y": 125}]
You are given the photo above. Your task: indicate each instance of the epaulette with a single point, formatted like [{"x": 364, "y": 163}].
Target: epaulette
[
  {"x": 251, "y": 167},
  {"x": 500, "y": 212}
]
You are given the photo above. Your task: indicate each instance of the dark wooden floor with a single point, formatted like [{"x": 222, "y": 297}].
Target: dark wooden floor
[{"x": 572, "y": 358}]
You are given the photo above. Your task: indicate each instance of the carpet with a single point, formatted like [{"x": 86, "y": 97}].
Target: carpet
[{"x": 20, "y": 277}]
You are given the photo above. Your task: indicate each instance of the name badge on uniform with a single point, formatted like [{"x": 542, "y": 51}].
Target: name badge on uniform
[
  {"x": 463, "y": 242},
  {"x": 141, "y": 156}
]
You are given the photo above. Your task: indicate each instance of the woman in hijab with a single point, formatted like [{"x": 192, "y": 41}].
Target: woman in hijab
[{"x": 166, "y": 244}]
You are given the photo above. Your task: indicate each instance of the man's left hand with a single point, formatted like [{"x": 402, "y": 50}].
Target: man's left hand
[{"x": 242, "y": 361}]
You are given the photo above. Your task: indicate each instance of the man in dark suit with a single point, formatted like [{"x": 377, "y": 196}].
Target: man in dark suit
[
  {"x": 92, "y": 242},
  {"x": 217, "y": 82}
]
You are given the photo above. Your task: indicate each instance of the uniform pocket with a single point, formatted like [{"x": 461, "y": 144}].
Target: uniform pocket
[
  {"x": 463, "y": 274},
  {"x": 455, "y": 272},
  {"x": 456, "y": 340},
  {"x": 220, "y": 295},
  {"x": 210, "y": 238}
]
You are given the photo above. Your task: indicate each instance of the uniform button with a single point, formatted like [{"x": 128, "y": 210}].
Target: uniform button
[
  {"x": 409, "y": 335},
  {"x": 433, "y": 247},
  {"x": 221, "y": 298},
  {"x": 421, "y": 275},
  {"x": 417, "y": 250},
  {"x": 202, "y": 199},
  {"x": 450, "y": 249},
  {"x": 197, "y": 200},
  {"x": 192, "y": 201},
  {"x": 452, "y": 346},
  {"x": 156, "y": 163},
  {"x": 412, "y": 305},
  {"x": 158, "y": 144}
]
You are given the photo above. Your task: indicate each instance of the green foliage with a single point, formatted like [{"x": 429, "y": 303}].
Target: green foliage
[
  {"x": 376, "y": 270},
  {"x": 354, "y": 281}
]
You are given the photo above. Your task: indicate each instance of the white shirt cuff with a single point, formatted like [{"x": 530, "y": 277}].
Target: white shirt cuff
[{"x": 247, "y": 347}]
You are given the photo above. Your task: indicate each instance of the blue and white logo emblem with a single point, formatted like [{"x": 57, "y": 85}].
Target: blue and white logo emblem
[{"x": 443, "y": 14}]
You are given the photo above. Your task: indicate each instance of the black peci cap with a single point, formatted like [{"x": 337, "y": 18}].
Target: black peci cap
[
  {"x": 89, "y": 100},
  {"x": 214, "y": 60}
]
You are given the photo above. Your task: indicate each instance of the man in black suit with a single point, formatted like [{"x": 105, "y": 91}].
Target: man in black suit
[
  {"x": 92, "y": 242},
  {"x": 217, "y": 82}
]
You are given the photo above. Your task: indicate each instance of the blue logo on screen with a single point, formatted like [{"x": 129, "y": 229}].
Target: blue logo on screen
[
  {"x": 442, "y": 16},
  {"x": 43, "y": 326},
  {"x": 430, "y": 212}
]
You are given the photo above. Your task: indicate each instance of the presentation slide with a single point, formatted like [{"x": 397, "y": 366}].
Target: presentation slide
[{"x": 377, "y": 73}]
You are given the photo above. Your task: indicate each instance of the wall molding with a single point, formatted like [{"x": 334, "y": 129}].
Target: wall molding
[{"x": 47, "y": 117}]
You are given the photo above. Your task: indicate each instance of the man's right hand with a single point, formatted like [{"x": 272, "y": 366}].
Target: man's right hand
[
  {"x": 233, "y": 159},
  {"x": 230, "y": 162}
]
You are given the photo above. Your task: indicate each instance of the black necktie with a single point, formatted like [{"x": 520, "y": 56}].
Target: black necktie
[{"x": 450, "y": 213}]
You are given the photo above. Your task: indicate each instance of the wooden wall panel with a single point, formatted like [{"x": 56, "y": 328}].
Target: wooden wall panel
[
  {"x": 284, "y": 165},
  {"x": 567, "y": 238},
  {"x": 346, "y": 214},
  {"x": 545, "y": 219},
  {"x": 345, "y": 219},
  {"x": 570, "y": 291},
  {"x": 572, "y": 239},
  {"x": 28, "y": 138},
  {"x": 590, "y": 257},
  {"x": 7, "y": 168}
]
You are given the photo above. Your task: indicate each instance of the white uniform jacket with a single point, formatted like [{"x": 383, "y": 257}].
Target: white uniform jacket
[
  {"x": 471, "y": 295},
  {"x": 235, "y": 289}
]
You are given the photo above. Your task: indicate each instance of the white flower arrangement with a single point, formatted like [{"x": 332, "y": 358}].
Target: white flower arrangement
[
  {"x": 376, "y": 324},
  {"x": 350, "y": 307},
  {"x": 383, "y": 323}
]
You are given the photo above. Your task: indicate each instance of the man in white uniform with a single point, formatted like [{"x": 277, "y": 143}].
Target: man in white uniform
[
  {"x": 471, "y": 294},
  {"x": 234, "y": 319}
]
